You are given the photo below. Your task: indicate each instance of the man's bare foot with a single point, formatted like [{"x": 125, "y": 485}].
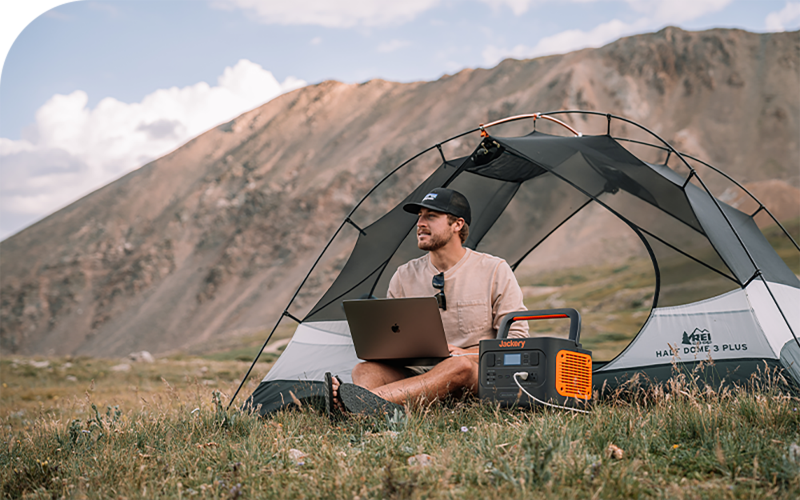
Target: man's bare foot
[{"x": 335, "y": 390}]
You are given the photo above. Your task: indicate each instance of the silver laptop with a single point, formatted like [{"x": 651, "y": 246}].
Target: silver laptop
[{"x": 405, "y": 331}]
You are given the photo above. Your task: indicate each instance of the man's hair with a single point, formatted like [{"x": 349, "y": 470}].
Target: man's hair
[{"x": 464, "y": 233}]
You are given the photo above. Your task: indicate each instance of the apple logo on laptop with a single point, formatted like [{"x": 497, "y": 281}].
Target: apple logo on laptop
[{"x": 396, "y": 328}]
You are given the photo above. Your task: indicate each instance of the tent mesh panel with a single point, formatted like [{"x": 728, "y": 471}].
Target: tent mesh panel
[{"x": 536, "y": 182}]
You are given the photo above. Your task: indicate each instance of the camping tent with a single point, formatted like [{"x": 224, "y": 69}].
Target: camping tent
[{"x": 521, "y": 190}]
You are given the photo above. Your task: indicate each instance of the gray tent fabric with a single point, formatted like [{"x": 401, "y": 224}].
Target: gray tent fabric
[
  {"x": 375, "y": 246},
  {"x": 521, "y": 190},
  {"x": 790, "y": 358}
]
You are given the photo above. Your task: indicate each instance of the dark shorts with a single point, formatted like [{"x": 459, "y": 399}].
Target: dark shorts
[{"x": 413, "y": 371}]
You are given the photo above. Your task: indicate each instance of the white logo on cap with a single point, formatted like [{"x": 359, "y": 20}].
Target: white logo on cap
[{"x": 430, "y": 196}]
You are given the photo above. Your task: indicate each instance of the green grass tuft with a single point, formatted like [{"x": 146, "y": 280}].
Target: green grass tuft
[{"x": 679, "y": 440}]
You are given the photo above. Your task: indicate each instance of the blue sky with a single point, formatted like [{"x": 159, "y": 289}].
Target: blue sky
[{"x": 93, "y": 89}]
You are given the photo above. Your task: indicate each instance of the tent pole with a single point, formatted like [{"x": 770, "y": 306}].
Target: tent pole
[
  {"x": 656, "y": 268},
  {"x": 547, "y": 116},
  {"x": 535, "y": 116},
  {"x": 761, "y": 206},
  {"x": 780, "y": 309},
  {"x": 749, "y": 256},
  {"x": 621, "y": 217},
  {"x": 754, "y": 276},
  {"x": 253, "y": 364},
  {"x": 692, "y": 258},
  {"x": 693, "y": 171},
  {"x": 379, "y": 269},
  {"x": 441, "y": 153},
  {"x": 716, "y": 203},
  {"x": 323, "y": 306},
  {"x": 534, "y": 247},
  {"x": 382, "y": 266},
  {"x": 785, "y": 232},
  {"x": 352, "y": 211},
  {"x": 728, "y": 221},
  {"x": 330, "y": 241},
  {"x": 680, "y": 155}
]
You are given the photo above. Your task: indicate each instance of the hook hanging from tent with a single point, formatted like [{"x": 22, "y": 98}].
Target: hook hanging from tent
[
  {"x": 488, "y": 151},
  {"x": 441, "y": 153}
]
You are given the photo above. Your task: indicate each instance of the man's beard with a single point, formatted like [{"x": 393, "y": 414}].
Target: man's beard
[{"x": 435, "y": 242}]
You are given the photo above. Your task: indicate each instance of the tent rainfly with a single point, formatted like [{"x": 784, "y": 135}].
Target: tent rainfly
[{"x": 740, "y": 308}]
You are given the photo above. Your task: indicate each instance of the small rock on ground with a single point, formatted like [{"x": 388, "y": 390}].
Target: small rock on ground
[
  {"x": 421, "y": 460},
  {"x": 141, "y": 357}
]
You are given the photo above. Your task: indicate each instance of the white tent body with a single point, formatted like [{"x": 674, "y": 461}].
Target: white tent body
[
  {"x": 548, "y": 179},
  {"x": 742, "y": 325},
  {"x": 316, "y": 347}
]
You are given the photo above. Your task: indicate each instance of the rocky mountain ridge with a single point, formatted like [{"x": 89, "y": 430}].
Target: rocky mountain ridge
[{"x": 211, "y": 240}]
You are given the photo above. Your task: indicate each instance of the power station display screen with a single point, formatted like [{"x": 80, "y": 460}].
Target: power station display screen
[{"x": 512, "y": 359}]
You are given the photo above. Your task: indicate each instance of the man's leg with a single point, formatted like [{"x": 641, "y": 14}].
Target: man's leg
[
  {"x": 451, "y": 375},
  {"x": 370, "y": 375}
]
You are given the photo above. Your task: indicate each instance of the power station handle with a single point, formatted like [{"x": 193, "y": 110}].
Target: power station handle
[{"x": 567, "y": 312}]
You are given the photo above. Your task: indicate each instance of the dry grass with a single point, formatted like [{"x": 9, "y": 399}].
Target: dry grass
[
  {"x": 174, "y": 439},
  {"x": 65, "y": 388},
  {"x": 94, "y": 428}
]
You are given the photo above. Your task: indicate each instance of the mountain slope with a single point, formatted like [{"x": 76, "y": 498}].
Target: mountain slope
[{"x": 211, "y": 240}]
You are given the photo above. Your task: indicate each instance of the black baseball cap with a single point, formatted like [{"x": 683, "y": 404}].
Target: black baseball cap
[{"x": 443, "y": 200}]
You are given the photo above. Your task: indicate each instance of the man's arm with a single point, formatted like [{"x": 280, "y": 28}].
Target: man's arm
[
  {"x": 456, "y": 351},
  {"x": 508, "y": 299},
  {"x": 471, "y": 353},
  {"x": 395, "y": 290}
]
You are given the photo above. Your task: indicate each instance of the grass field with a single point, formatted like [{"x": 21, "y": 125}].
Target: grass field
[
  {"x": 79, "y": 429},
  {"x": 101, "y": 428}
]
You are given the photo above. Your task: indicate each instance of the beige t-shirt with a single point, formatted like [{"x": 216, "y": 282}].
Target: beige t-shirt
[{"x": 480, "y": 289}]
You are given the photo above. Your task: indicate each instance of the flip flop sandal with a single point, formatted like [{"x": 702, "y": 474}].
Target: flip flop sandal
[
  {"x": 356, "y": 399},
  {"x": 331, "y": 409}
]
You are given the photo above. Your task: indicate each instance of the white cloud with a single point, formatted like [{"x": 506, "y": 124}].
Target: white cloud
[
  {"x": 788, "y": 17},
  {"x": 9, "y": 147},
  {"x": 331, "y": 14},
  {"x": 563, "y": 42},
  {"x": 518, "y": 7},
  {"x": 392, "y": 45},
  {"x": 667, "y": 11},
  {"x": 663, "y": 12},
  {"x": 655, "y": 14},
  {"x": 316, "y": 40},
  {"x": 78, "y": 149}
]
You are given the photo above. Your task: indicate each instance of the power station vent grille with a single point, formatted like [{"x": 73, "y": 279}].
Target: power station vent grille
[{"x": 574, "y": 374}]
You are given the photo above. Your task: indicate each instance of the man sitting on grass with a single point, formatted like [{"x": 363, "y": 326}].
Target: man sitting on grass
[{"x": 476, "y": 291}]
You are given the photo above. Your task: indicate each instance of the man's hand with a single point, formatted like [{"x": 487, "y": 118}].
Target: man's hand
[{"x": 454, "y": 351}]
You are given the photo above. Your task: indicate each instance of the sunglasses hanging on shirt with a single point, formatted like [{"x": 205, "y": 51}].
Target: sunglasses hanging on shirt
[{"x": 438, "y": 283}]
